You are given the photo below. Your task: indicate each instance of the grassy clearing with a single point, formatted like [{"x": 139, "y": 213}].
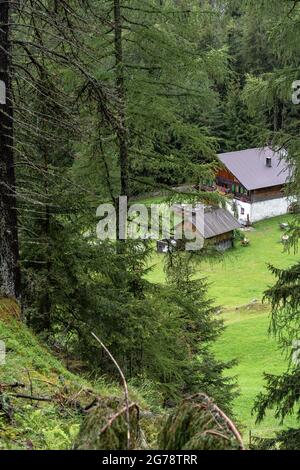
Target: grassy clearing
[
  {"x": 239, "y": 278},
  {"x": 246, "y": 339},
  {"x": 242, "y": 275}
]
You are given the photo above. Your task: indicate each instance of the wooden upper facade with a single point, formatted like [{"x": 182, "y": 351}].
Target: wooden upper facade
[
  {"x": 229, "y": 184},
  {"x": 252, "y": 175}
]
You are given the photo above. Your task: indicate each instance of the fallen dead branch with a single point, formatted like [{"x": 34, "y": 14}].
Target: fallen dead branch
[
  {"x": 13, "y": 385},
  {"x": 31, "y": 397},
  {"x": 61, "y": 400}
]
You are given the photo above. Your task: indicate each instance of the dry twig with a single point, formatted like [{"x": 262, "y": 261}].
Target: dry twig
[{"x": 124, "y": 385}]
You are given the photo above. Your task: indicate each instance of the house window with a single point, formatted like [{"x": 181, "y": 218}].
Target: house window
[{"x": 242, "y": 211}]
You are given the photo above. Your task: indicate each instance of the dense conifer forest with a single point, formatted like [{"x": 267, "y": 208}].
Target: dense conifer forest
[{"x": 103, "y": 101}]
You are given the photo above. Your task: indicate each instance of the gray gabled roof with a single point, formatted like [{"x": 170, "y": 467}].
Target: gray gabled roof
[
  {"x": 216, "y": 222},
  {"x": 249, "y": 167}
]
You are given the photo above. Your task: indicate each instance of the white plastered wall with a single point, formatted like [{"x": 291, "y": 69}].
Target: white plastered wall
[
  {"x": 266, "y": 209},
  {"x": 260, "y": 210}
]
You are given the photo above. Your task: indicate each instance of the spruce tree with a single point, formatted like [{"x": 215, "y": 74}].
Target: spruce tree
[{"x": 238, "y": 129}]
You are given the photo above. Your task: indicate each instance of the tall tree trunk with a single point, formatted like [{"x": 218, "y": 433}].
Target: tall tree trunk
[
  {"x": 9, "y": 249},
  {"x": 121, "y": 95},
  {"x": 46, "y": 303}
]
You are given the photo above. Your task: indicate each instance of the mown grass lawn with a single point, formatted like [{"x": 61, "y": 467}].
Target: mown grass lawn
[
  {"x": 246, "y": 339},
  {"x": 242, "y": 275}
]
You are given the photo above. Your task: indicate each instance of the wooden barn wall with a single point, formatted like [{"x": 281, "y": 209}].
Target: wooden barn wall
[
  {"x": 221, "y": 238},
  {"x": 190, "y": 228},
  {"x": 265, "y": 194},
  {"x": 225, "y": 174}
]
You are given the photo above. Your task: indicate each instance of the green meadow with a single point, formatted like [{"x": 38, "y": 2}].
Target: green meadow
[
  {"x": 239, "y": 278},
  {"x": 241, "y": 274}
]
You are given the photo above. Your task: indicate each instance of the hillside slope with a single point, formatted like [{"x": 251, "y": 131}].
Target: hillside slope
[{"x": 51, "y": 419}]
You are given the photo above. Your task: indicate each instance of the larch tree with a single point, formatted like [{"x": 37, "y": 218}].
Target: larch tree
[
  {"x": 148, "y": 58},
  {"x": 9, "y": 247}
]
